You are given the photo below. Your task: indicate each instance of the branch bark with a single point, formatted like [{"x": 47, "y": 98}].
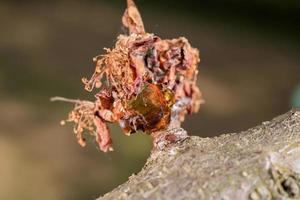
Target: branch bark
[{"x": 260, "y": 163}]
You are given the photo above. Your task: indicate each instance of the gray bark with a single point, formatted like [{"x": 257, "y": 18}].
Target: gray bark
[{"x": 260, "y": 163}]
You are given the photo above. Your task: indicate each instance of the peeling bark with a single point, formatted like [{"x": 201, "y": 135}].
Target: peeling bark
[{"x": 260, "y": 163}]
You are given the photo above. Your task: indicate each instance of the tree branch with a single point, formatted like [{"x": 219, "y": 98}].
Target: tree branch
[{"x": 260, "y": 163}]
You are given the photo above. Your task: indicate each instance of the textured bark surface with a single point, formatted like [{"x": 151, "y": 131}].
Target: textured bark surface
[{"x": 260, "y": 163}]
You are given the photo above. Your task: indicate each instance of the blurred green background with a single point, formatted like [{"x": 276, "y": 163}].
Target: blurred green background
[{"x": 249, "y": 73}]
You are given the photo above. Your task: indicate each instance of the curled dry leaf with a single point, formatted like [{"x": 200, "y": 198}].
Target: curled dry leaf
[{"x": 150, "y": 84}]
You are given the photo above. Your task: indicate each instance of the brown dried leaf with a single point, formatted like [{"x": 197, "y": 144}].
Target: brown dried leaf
[
  {"x": 102, "y": 135},
  {"x": 132, "y": 19},
  {"x": 150, "y": 84}
]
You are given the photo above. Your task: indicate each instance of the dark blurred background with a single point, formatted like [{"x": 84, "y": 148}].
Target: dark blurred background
[{"x": 249, "y": 73}]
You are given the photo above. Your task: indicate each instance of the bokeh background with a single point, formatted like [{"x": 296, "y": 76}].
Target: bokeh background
[{"x": 249, "y": 73}]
